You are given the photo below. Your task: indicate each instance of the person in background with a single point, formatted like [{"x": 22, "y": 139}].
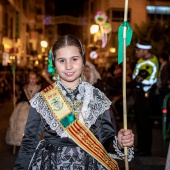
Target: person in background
[
  {"x": 163, "y": 76},
  {"x": 144, "y": 79},
  {"x": 92, "y": 76},
  {"x": 19, "y": 115},
  {"x": 162, "y": 86},
  {"x": 75, "y": 119},
  {"x": 5, "y": 88},
  {"x": 45, "y": 79},
  {"x": 167, "y": 165}
]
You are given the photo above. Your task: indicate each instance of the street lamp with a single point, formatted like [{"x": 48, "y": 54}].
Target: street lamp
[
  {"x": 94, "y": 29},
  {"x": 112, "y": 50},
  {"x": 44, "y": 45}
]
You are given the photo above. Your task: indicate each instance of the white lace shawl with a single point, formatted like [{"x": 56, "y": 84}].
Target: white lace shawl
[{"x": 95, "y": 103}]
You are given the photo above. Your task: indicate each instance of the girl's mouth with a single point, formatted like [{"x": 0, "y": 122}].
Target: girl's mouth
[{"x": 69, "y": 74}]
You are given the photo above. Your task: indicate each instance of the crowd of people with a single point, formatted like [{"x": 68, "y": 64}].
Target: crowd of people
[
  {"x": 85, "y": 89},
  {"x": 5, "y": 87}
]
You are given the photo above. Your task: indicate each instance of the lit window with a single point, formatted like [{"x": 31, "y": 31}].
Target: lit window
[{"x": 165, "y": 10}]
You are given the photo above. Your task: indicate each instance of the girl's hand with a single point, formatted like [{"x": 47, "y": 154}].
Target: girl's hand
[{"x": 125, "y": 138}]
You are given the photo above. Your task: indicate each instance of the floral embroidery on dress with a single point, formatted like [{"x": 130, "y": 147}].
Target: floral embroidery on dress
[
  {"x": 63, "y": 158},
  {"x": 120, "y": 155}
]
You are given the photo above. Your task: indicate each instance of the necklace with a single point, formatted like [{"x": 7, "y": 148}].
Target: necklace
[
  {"x": 71, "y": 89},
  {"x": 76, "y": 105}
]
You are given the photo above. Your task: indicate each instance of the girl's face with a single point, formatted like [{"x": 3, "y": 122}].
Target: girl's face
[
  {"x": 32, "y": 79},
  {"x": 69, "y": 65}
]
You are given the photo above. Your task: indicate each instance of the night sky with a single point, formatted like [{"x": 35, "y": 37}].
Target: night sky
[
  {"x": 69, "y": 7},
  {"x": 72, "y": 8}
]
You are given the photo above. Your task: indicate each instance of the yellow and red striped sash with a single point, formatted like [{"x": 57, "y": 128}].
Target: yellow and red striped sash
[{"x": 81, "y": 135}]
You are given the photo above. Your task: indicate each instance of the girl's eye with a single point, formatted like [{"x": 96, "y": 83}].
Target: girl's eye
[
  {"x": 75, "y": 59},
  {"x": 61, "y": 61}
]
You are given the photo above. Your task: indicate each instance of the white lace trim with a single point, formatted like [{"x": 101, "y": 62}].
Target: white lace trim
[
  {"x": 120, "y": 155},
  {"x": 95, "y": 103}
]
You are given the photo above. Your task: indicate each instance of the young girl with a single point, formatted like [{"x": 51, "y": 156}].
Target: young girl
[
  {"x": 74, "y": 117},
  {"x": 19, "y": 115}
]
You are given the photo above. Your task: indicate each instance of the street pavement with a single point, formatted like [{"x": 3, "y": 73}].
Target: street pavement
[{"x": 155, "y": 162}]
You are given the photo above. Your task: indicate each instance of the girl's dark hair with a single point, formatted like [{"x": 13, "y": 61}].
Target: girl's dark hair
[{"x": 68, "y": 40}]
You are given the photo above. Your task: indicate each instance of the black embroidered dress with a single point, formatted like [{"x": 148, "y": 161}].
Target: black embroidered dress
[{"x": 57, "y": 151}]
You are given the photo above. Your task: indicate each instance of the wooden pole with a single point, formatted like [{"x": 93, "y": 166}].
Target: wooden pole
[
  {"x": 14, "y": 99},
  {"x": 124, "y": 83}
]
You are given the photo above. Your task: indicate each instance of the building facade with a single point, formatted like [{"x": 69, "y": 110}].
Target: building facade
[
  {"x": 143, "y": 11},
  {"x": 24, "y": 24},
  {"x": 21, "y": 30}
]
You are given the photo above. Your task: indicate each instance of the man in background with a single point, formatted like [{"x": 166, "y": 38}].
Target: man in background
[{"x": 145, "y": 78}]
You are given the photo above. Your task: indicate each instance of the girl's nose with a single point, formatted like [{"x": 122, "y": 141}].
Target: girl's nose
[{"x": 68, "y": 65}]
